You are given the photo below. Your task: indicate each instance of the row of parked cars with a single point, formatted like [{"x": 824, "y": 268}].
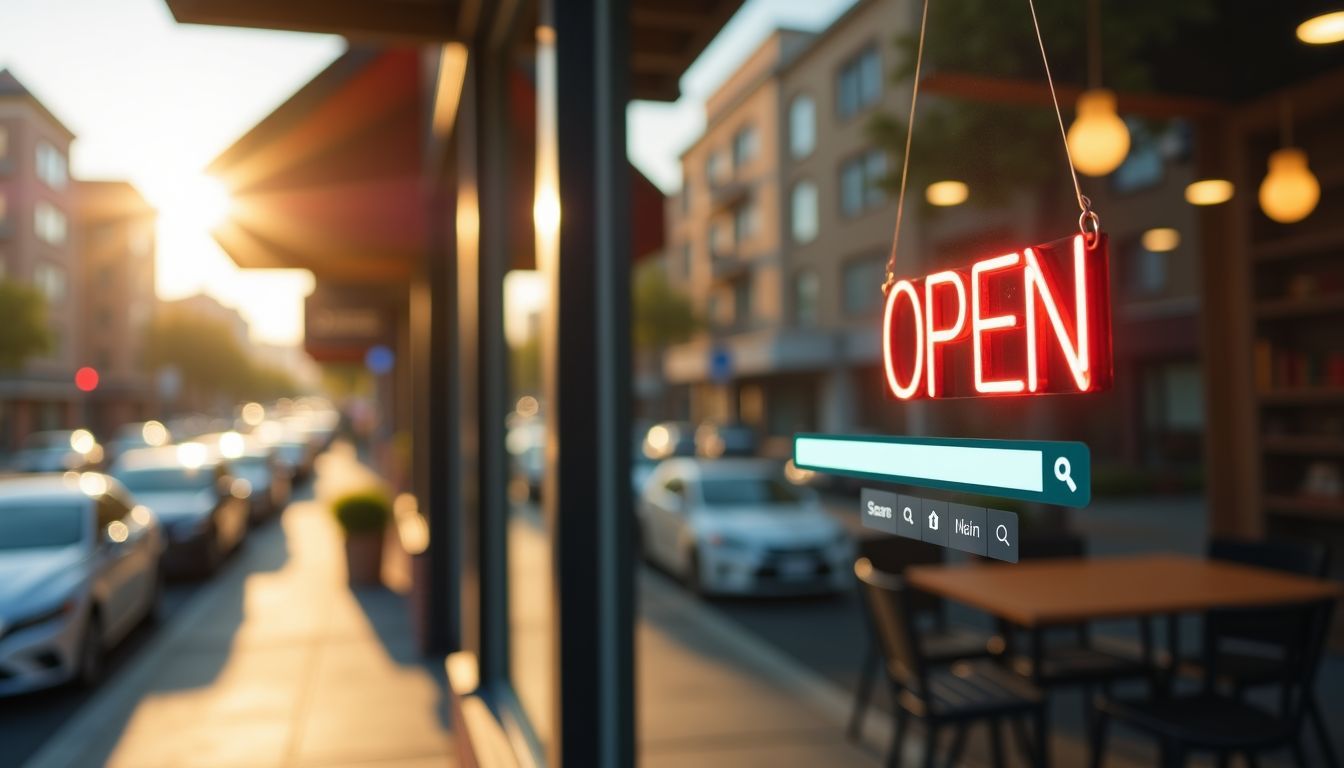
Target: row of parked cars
[{"x": 86, "y": 545}]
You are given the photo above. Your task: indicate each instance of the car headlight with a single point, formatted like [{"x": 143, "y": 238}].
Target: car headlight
[{"x": 64, "y": 609}]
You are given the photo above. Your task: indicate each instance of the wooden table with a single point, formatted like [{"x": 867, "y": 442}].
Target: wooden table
[{"x": 1043, "y": 593}]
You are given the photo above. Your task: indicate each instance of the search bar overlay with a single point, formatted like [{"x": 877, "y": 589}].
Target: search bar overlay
[{"x": 1031, "y": 470}]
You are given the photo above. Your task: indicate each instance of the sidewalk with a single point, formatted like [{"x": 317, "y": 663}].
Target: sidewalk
[{"x": 275, "y": 663}]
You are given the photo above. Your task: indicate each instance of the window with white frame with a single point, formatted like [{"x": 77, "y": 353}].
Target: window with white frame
[
  {"x": 49, "y": 223},
  {"x": 802, "y": 126},
  {"x": 52, "y": 167}
]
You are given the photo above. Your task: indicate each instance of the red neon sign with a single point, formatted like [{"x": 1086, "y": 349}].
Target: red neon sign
[{"x": 1032, "y": 322}]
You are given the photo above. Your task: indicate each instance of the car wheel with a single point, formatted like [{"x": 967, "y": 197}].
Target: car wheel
[{"x": 91, "y": 653}]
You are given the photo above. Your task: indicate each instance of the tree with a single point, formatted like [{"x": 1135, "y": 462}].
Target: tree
[
  {"x": 1002, "y": 149},
  {"x": 662, "y": 315},
  {"x": 24, "y": 333},
  {"x": 212, "y": 362}
]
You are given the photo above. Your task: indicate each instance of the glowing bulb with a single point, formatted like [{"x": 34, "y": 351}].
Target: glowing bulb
[
  {"x": 1322, "y": 30},
  {"x": 231, "y": 445},
  {"x": 1161, "y": 239},
  {"x": 1289, "y": 192},
  {"x": 947, "y": 193},
  {"x": 253, "y": 414},
  {"x": 1098, "y": 138},
  {"x": 81, "y": 441},
  {"x": 154, "y": 433},
  {"x": 1209, "y": 192},
  {"x": 191, "y": 455}
]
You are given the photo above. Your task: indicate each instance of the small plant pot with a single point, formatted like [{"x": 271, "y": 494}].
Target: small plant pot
[{"x": 364, "y": 558}]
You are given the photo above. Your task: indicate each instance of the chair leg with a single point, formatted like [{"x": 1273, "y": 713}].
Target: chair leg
[
  {"x": 1098, "y": 745},
  {"x": 1024, "y": 744},
  {"x": 1322, "y": 733},
  {"x": 895, "y": 758},
  {"x": 1042, "y": 737},
  {"x": 996, "y": 742},
  {"x": 931, "y": 746},
  {"x": 958, "y": 745},
  {"x": 863, "y": 693}
]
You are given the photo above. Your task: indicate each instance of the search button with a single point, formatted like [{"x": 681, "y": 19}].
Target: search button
[
  {"x": 907, "y": 519},
  {"x": 880, "y": 510},
  {"x": 1064, "y": 473},
  {"x": 1003, "y": 541}
]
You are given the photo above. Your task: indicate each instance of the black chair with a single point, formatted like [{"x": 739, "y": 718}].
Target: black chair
[
  {"x": 1247, "y": 650},
  {"x": 1212, "y": 721},
  {"x": 1068, "y": 656},
  {"x": 956, "y": 695},
  {"x": 943, "y": 643}
]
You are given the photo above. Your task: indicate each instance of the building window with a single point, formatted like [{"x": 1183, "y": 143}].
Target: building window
[
  {"x": 803, "y": 212},
  {"x": 802, "y": 126},
  {"x": 806, "y": 294},
  {"x": 49, "y": 278},
  {"x": 860, "y": 182},
  {"x": 714, "y": 168},
  {"x": 684, "y": 265},
  {"x": 746, "y": 221},
  {"x": 51, "y": 166},
  {"x": 4, "y": 142},
  {"x": 859, "y": 84},
  {"x": 745, "y": 144},
  {"x": 863, "y": 285},
  {"x": 49, "y": 223}
]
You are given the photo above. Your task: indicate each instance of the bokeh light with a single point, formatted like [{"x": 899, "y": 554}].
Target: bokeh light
[
  {"x": 254, "y": 414},
  {"x": 191, "y": 455},
  {"x": 154, "y": 433},
  {"x": 231, "y": 445},
  {"x": 81, "y": 441}
]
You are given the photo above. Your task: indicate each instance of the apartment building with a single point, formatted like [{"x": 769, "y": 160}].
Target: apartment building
[
  {"x": 115, "y": 236},
  {"x": 783, "y": 228},
  {"x": 36, "y": 247}
]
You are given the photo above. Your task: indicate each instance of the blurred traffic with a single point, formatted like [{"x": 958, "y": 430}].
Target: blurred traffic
[{"x": 92, "y": 526}]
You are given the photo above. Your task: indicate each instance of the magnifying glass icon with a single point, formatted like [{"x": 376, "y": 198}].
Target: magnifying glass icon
[
  {"x": 1001, "y": 533},
  {"x": 909, "y": 516},
  {"x": 1063, "y": 473}
]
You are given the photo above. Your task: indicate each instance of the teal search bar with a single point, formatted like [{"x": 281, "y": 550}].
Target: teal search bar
[{"x": 1031, "y": 470}]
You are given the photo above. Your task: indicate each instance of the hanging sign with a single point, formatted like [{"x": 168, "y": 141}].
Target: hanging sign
[{"x": 1034, "y": 321}]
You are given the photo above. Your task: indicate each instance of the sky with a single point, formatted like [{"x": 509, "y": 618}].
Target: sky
[{"x": 153, "y": 102}]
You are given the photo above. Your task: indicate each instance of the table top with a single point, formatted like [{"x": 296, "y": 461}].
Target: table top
[{"x": 1069, "y": 590}]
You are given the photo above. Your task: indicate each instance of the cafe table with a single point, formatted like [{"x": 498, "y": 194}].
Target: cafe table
[{"x": 1037, "y": 595}]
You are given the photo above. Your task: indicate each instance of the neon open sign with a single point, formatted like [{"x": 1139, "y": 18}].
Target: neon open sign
[{"x": 1034, "y": 321}]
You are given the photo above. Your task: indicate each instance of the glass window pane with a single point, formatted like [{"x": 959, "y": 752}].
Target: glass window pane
[
  {"x": 807, "y": 291},
  {"x": 863, "y": 285},
  {"x": 851, "y": 188},
  {"x": 870, "y": 77},
  {"x": 802, "y": 126},
  {"x": 803, "y": 212}
]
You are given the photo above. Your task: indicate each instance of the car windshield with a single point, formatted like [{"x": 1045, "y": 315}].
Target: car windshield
[
  {"x": 158, "y": 479},
  {"x": 36, "y": 526},
  {"x": 736, "y": 491},
  {"x": 43, "y": 441}
]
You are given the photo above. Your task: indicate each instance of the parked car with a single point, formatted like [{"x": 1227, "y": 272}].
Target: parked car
[
  {"x": 268, "y": 479},
  {"x": 714, "y": 440},
  {"x": 295, "y": 458},
  {"x": 79, "y": 569},
  {"x": 139, "y": 434},
  {"x": 736, "y": 526},
  {"x": 59, "y": 450},
  {"x": 193, "y": 491},
  {"x": 669, "y": 438}
]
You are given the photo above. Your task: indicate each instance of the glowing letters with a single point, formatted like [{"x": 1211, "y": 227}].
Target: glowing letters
[{"x": 1028, "y": 314}]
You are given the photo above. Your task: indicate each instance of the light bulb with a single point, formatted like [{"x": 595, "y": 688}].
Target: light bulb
[
  {"x": 947, "y": 193},
  {"x": 1209, "y": 192},
  {"x": 1098, "y": 138},
  {"x": 1322, "y": 30},
  {"x": 1289, "y": 192}
]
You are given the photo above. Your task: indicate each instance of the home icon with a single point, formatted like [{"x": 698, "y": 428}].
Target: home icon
[{"x": 933, "y": 521}]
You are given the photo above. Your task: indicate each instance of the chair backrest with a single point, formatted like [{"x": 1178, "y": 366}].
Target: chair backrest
[
  {"x": 1266, "y": 626},
  {"x": 886, "y": 600},
  {"x": 893, "y": 554}
]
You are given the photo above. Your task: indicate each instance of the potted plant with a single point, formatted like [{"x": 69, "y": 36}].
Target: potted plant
[{"x": 363, "y": 517}]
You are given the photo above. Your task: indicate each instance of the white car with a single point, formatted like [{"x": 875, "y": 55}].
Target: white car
[
  {"x": 737, "y": 526},
  {"x": 79, "y": 569}
]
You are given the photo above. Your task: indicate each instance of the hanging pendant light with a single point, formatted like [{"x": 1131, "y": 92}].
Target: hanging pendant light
[
  {"x": 1098, "y": 138},
  {"x": 1290, "y": 191}
]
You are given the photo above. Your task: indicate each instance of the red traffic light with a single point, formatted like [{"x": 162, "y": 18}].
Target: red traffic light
[{"x": 86, "y": 379}]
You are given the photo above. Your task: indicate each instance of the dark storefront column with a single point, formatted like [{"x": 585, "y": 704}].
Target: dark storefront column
[{"x": 587, "y": 378}]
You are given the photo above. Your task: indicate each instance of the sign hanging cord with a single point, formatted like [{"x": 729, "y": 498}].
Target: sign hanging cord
[{"x": 1088, "y": 222}]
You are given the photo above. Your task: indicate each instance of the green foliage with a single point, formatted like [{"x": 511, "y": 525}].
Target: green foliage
[
  {"x": 210, "y": 358},
  {"x": 662, "y": 315},
  {"x": 24, "y": 332},
  {"x": 1000, "y": 148},
  {"x": 363, "y": 512}
]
